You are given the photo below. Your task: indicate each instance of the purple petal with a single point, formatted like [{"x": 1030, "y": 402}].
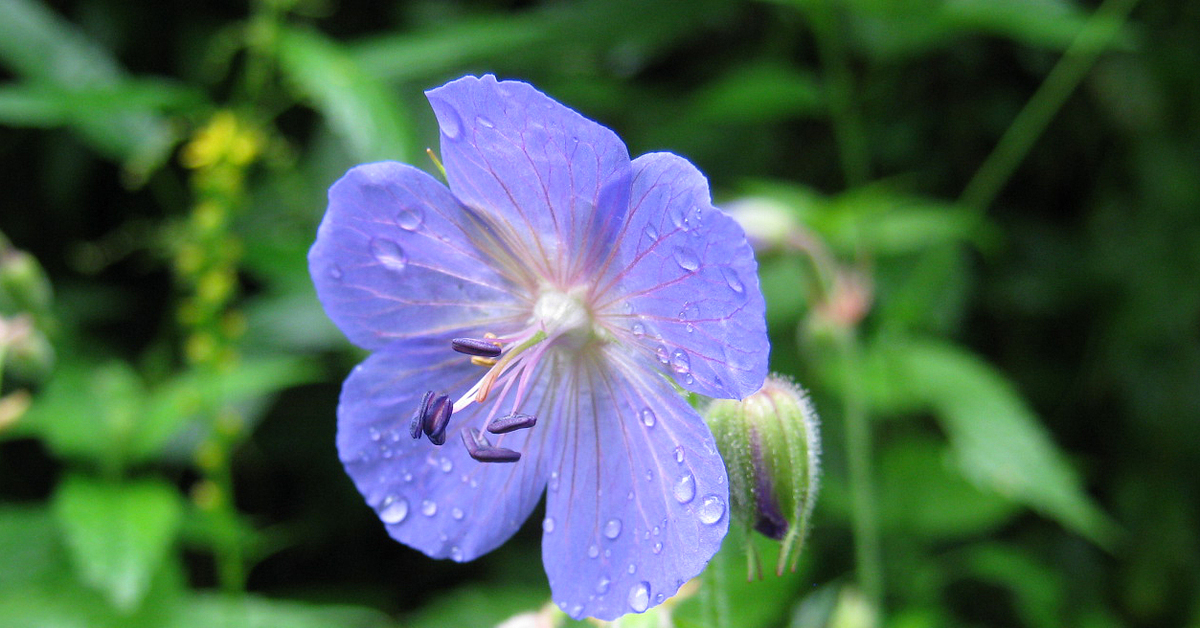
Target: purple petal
[
  {"x": 392, "y": 260},
  {"x": 436, "y": 499},
  {"x": 686, "y": 283},
  {"x": 554, "y": 184},
  {"x": 638, "y": 504}
]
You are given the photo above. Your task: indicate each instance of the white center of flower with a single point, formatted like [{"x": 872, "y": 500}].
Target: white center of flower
[{"x": 560, "y": 313}]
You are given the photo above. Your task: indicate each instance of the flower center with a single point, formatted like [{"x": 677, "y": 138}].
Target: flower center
[{"x": 565, "y": 317}]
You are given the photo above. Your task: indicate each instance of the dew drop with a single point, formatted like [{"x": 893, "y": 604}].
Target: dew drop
[
  {"x": 685, "y": 489},
  {"x": 410, "y": 218},
  {"x": 429, "y": 508},
  {"x": 664, "y": 356},
  {"x": 374, "y": 433},
  {"x": 457, "y": 513},
  {"x": 690, "y": 328},
  {"x": 446, "y": 465},
  {"x": 639, "y": 597},
  {"x": 593, "y": 551},
  {"x": 456, "y": 554},
  {"x": 553, "y": 480},
  {"x": 408, "y": 477},
  {"x": 648, "y": 417},
  {"x": 658, "y": 599},
  {"x": 638, "y": 330},
  {"x": 680, "y": 361},
  {"x": 688, "y": 379},
  {"x": 602, "y": 585},
  {"x": 711, "y": 509},
  {"x": 632, "y": 569},
  {"x": 548, "y": 525},
  {"x": 732, "y": 280},
  {"x": 608, "y": 553},
  {"x": 650, "y": 233},
  {"x": 335, "y": 272},
  {"x": 451, "y": 124},
  {"x": 679, "y": 454},
  {"x": 649, "y": 475},
  {"x": 394, "y": 512},
  {"x": 686, "y": 258},
  {"x": 389, "y": 254},
  {"x": 612, "y": 529},
  {"x": 658, "y": 548},
  {"x": 484, "y": 122}
]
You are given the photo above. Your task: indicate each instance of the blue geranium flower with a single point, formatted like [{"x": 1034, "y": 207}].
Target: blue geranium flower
[{"x": 532, "y": 327}]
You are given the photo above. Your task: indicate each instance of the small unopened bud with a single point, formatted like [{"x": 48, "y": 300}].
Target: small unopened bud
[
  {"x": 24, "y": 286},
  {"x": 768, "y": 223},
  {"x": 771, "y": 445}
]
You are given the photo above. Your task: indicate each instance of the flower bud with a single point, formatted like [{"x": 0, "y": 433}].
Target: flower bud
[
  {"x": 770, "y": 442},
  {"x": 23, "y": 284}
]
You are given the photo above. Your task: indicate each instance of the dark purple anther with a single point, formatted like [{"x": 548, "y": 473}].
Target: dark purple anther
[
  {"x": 437, "y": 417},
  {"x": 474, "y": 346},
  {"x": 511, "y": 422},
  {"x": 483, "y": 451},
  {"x": 418, "y": 420}
]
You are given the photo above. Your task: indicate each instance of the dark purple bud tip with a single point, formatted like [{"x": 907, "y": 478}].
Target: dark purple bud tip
[
  {"x": 418, "y": 420},
  {"x": 475, "y": 346},
  {"x": 437, "y": 418},
  {"x": 482, "y": 450},
  {"x": 512, "y": 422}
]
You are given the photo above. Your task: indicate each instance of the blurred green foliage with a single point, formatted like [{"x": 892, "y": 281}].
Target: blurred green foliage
[{"x": 979, "y": 235}]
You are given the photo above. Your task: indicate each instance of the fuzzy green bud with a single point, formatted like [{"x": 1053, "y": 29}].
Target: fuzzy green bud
[
  {"x": 770, "y": 442},
  {"x": 24, "y": 286}
]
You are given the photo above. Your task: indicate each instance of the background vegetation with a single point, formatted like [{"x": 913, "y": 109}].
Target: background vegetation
[{"x": 983, "y": 264}]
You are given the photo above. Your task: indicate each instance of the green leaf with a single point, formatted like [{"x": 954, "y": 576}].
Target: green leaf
[
  {"x": 998, "y": 441},
  {"x": 364, "y": 111},
  {"x": 207, "y": 610},
  {"x": 728, "y": 597},
  {"x": 758, "y": 93},
  {"x": 478, "y": 605},
  {"x": 45, "y": 50},
  {"x": 117, "y": 534},
  {"x": 31, "y": 550},
  {"x": 923, "y": 492}
]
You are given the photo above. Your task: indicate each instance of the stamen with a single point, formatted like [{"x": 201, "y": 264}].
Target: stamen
[
  {"x": 511, "y": 423},
  {"x": 476, "y": 347},
  {"x": 478, "y": 361},
  {"x": 480, "y": 449},
  {"x": 418, "y": 420},
  {"x": 437, "y": 418}
]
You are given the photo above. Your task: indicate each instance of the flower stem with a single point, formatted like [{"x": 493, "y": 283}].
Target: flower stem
[
  {"x": 862, "y": 489},
  {"x": 848, "y": 129},
  {"x": 1033, "y": 119}
]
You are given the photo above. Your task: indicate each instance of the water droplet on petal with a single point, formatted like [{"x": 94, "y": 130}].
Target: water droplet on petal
[
  {"x": 410, "y": 218},
  {"x": 686, "y": 258},
  {"x": 553, "y": 480},
  {"x": 335, "y": 272},
  {"x": 456, "y": 554},
  {"x": 389, "y": 254},
  {"x": 408, "y": 477},
  {"x": 451, "y": 124},
  {"x": 639, "y": 330},
  {"x": 685, "y": 489},
  {"x": 446, "y": 465},
  {"x": 658, "y": 548},
  {"x": 690, "y": 328},
  {"x": 602, "y": 585},
  {"x": 632, "y": 569},
  {"x": 484, "y": 122},
  {"x": 428, "y": 508},
  {"x": 612, "y": 529},
  {"x": 664, "y": 356},
  {"x": 732, "y": 279},
  {"x": 458, "y": 514},
  {"x": 548, "y": 525},
  {"x": 374, "y": 433},
  {"x": 680, "y": 361},
  {"x": 639, "y": 597},
  {"x": 711, "y": 509},
  {"x": 658, "y": 599},
  {"x": 679, "y": 454},
  {"x": 649, "y": 475},
  {"x": 650, "y": 233},
  {"x": 648, "y": 417},
  {"x": 394, "y": 512},
  {"x": 593, "y": 551}
]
